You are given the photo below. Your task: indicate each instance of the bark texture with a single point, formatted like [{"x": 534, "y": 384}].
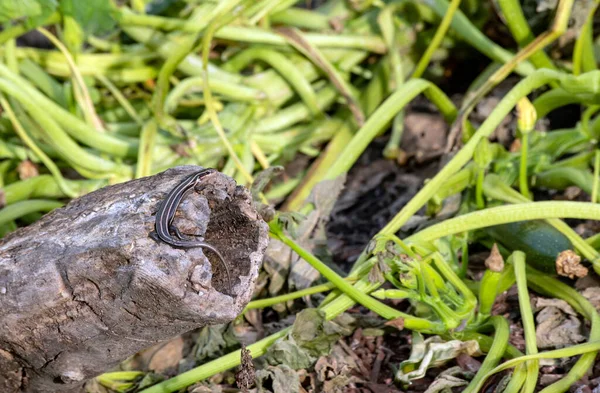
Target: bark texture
[{"x": 85, "y": 287}]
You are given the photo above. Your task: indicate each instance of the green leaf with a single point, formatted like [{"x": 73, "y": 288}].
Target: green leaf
[
  {"x": 33, "y": 11},
  {"x": 289, "y": 353},
  {"x": 213, "y": 340},
  {"x": 312, "y": 336},
  {"x": 280, "y": 379},
  {"x": 313, "y": 333},
  {"x": 93, "y": 16}
]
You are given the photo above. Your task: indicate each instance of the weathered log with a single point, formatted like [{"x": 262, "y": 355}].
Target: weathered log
[{"x": 85, "y": 286}]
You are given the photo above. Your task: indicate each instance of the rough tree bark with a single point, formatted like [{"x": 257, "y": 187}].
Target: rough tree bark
[{"x": 85, "y": 287}]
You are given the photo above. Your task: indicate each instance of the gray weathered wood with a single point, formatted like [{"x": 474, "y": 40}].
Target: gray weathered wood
[{"x": 85, "y": 287}]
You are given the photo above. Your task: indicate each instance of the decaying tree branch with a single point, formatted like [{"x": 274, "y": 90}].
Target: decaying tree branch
[{"x": 85, "y": 287}]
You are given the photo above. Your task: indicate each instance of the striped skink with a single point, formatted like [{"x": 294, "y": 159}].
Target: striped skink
[{"x": 166, "y": 212}]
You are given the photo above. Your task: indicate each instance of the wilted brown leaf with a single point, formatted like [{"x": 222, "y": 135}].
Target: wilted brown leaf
[
  {"x": 568, "y": 265},
  {"x": 495, "y": 262}
]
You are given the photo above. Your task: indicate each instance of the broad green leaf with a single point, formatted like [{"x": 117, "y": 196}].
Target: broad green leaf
[
  {"x": 93, "y": 16},
  {"x": 34, "y": 12}
]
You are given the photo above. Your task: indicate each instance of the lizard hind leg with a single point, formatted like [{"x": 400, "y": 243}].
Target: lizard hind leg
[{"x": 173, "y": 228}]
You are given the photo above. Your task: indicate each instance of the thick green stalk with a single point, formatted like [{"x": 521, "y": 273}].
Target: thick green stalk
[
  {"x": 518, "y": 259},
  {"x": 538, "y": 79},
  {"x": 45, "y": 186},
  {"x": 472, "y": 35},
  {"x": 369, "y": 43},
  {"x": 516, "y": 22},
  {"x": 374, "y": 305},
  {"x": 76, "y": 127},
  {"x": 147, "y": 143},
  {"x": 262, "y": 303},
  {"x": 495, "y": 353},
  {"x": 506, "y": 214},
  {"x": 554, "y": 288},
  {"x": 213, "y": 367},
  {"x": 60, "y": 140},
  {"x": 284, "y": 67},
  {"x": 547, "y": 285},
  {"x": 437, "y": 39},
  {"x": 22, "y": 208},
  {"x": 231, "y": 91},
  {"x": 257, "y": 349},
  {"x": 383, "y": 116},
  {"x": 29, "y": 142}
]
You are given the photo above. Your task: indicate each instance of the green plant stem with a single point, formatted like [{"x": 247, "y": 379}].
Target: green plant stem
[
  {"x": 488, "y": 291},
  {"x": 372, "y": 304},
  {"x": 523, "y": 179},
  {"x": 257, "y": 349},
  {"x": 517, "y": 379},
  {"x": 322, "y": 163},
  {"x": 369, "y": 43},
  {"x": 264, "y": 303},
  {"x": 208, "y": 369},
  {"x": 516, "y": 22},
  {"x": 284, "y": 67},
  {"x": 60, "y": 140},
  {"x": 79, "y": 87},
  {"x": 121, "y": 99},
  {"x": 573, "y": 350},
  {"x": 547, "y": 285},
  {"x": 596, "y": 176},
  {"x": 295, "y": 113},
  {"x": 232, "y": 91},
  {"x": 469, "y": 301},
  {"x": 296, "y": 38},
  {"x": 538, "y": 79},
  {"x": 43, "y": 81},
  {"x": 559, "y": 26},
  {"x": 303, "y": 18},
  {"x": 45, "y": 186},
  {"x": 518, "y": 259},
  {"x": 22, "y": 208},
  {"x": 383, "y": 116},
  {"x": 495, "y": 353},
  {"x": 506, "y": 214},
  {"x": 583, "y": 53},
  {"x": 181, "y": 51},
  {"x": 471, "y": 34},
  {"x": 437, "y": 39},
  {"x": 147, "y": 143},
  {"x": 60, "y": 180},
  {"x": 210, "y": 108},
  {"x": 76, "y": 127}
]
